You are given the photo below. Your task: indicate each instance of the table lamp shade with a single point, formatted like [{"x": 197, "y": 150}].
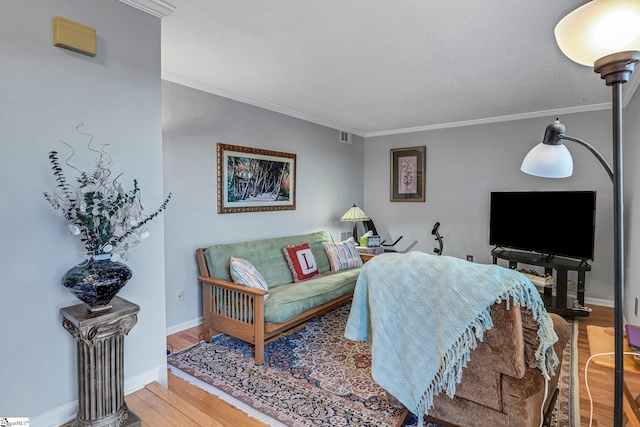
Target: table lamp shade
[
  {"x": 354, "y": 214},
  {"x": 599, "y": 28}
]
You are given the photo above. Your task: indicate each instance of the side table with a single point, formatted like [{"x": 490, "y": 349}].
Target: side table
[
  {"x": 100, "y": 352},
  {"x": 370, "y": 250}
]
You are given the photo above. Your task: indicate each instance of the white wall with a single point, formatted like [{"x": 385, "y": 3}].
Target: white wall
[
  {"x": 465, "y": 164},
  {"x": 631, "y": 152},
  {"x": 329, "y": 175},
  {"x": 45, "y": 92}
]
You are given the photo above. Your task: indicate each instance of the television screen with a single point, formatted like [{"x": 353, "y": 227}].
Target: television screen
[{"x": 549, "y": 222}]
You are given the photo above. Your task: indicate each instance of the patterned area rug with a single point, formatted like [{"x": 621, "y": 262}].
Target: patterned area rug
[
  {"x": 315, "y": 377},
  {"x": 567, "y": 410}
]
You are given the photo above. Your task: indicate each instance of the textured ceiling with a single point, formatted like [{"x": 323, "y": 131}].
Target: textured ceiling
[{"x": 374, "y": 67}]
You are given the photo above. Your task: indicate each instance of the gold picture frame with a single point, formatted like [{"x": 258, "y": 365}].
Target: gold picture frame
[
  {"x": 408, "y": 174},
  {"x": 255, "y": 180}
]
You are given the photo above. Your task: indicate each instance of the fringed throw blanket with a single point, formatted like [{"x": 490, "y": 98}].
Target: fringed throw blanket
[{"x": 423, "y": 314}]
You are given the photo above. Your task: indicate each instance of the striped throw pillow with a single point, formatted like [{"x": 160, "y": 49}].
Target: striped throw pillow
[
  {"x": 244, "y": 273},
  {"x": 343, "y": 255}
]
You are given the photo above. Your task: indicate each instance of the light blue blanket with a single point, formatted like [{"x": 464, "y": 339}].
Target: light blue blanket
[{"x": 423, "y": 314}]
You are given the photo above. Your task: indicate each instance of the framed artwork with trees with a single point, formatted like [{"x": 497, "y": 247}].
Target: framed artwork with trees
[{"x": 255, "y": 180}]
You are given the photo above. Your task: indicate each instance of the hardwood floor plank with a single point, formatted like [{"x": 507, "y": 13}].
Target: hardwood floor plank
[
  {"x": 600, "y": 383},
  {"x": 147, "y": 413},
  {"x": 183, "y": 406},
  {"x": 171, "y": 414},
  {"x": 187, "y": 338},
  {"x": 144, "y": 394},
  {"x": 603, "y": 404},
  {"x": 223, "y": 412}
]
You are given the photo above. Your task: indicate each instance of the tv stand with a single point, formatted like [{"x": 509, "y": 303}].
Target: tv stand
[{"x": 557, "y": 304}]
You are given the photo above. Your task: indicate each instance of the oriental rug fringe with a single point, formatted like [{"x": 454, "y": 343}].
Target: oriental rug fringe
[{"x": 316, "y": 377}]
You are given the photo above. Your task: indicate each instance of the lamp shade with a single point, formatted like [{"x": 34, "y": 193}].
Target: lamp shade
[
  {"x": 548, "y": 161},
  {"x": 354, "y": 214},
  {"x": 599, "y": 28}
]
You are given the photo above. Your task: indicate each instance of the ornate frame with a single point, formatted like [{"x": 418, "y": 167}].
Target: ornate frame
[{"x": 243, "y": 169}]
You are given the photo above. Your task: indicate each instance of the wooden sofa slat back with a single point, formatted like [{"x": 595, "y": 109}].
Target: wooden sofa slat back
[{"x": 202, "y": 263}]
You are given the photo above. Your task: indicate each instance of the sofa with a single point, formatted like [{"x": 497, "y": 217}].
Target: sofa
[
  {"x": 254, "y": 314},
  {"x": 467, "y": 344},
  {"x": 501, "y": 385}
]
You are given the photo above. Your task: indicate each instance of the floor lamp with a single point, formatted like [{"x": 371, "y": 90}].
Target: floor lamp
[{"x": 604, "y": 34}]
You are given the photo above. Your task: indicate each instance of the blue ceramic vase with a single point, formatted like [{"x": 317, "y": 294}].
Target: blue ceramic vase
[{"x": 96, "y": 281}]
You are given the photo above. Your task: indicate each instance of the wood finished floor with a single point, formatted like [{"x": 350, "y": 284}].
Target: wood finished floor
[
  {"x": 184, "y": 405},
  {"x": 600, "y": 382}
]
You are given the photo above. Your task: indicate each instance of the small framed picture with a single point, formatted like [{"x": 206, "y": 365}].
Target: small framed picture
[
  {"x": 408, "y": 174},
  {"x": 254, "y": 180}
]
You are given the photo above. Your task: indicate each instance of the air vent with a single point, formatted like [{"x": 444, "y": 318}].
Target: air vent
[
  {"x": 345, "y": 137},
  {"x": 73, "y": 36},
  {"x": 344, "y": 235}
]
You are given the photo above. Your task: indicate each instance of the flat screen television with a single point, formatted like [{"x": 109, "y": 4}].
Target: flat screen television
[{"x": 549, "y": 222}]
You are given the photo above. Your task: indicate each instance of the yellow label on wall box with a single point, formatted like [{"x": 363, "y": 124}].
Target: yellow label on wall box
[{"x": 73, "y": 36}]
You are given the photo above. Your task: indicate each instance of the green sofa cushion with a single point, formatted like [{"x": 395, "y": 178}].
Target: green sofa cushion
[
  {"x": 267, "y": 257},
  {"x": 289, "y": 300}
]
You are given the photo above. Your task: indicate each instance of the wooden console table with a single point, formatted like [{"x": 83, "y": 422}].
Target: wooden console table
[
  {"x": 557, "y": 304},
  {"x": 100, "y": 351}
]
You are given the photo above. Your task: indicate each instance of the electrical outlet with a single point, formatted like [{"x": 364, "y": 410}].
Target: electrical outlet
[
  {"x": 470, "y": 258},
  {"x": 180, "y": 295}
]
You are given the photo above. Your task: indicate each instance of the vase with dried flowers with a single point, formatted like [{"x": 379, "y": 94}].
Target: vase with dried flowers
[{"x": 109, "y": 222}]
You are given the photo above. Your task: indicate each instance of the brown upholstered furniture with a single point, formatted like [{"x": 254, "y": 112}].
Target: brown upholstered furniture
[{"x": 501, "y": 385}]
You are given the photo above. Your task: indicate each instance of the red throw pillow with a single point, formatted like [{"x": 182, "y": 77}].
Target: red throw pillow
[{"x": 301, "y": 261}]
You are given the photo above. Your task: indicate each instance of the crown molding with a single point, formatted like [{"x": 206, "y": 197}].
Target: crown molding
[
  {"x": 184, "y": 81},
  {"x": 534, "y": 114},
  {"x": 158, "y": 8},
  {"x": 195, "y": 84},
  {"x": 628, "y": 92}
]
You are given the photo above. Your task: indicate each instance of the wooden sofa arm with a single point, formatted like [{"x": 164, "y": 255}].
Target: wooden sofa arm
[
  {"x": 232, "y": 286},
  {"x": 234, "y": 309},
  {"x": 366, "y": 257}
]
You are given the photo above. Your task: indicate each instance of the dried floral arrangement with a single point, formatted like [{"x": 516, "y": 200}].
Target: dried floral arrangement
[{"x": 108, "y": 219}]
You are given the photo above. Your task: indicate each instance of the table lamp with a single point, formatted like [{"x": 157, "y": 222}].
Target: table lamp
[{"x": 355, "y": 214}]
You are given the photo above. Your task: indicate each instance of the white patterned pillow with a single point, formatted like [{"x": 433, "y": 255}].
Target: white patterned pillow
[
  {"x": 343, "y": 255},
  {"x": 244, "y": 273}
]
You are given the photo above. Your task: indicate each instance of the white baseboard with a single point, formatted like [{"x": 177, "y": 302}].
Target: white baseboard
[
  {"x": 598, "y": 301},
  {"x": 133, "y": 384},
  {"x": 56, "y": 417},
  {"x": 67, "y": 412},
  {"x": 185, "y": 325}
]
